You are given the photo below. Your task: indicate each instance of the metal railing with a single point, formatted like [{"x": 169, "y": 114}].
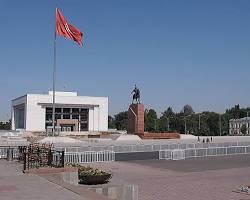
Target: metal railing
[
  {"x": 5, "y": 150},
  {"x": 127, "y": 148},
  {"x": 180, "y": 154},
  {"x": 89, "y": 156}
]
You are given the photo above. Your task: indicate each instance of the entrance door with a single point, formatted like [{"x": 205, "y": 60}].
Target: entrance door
[{"x": 67, "y": 127}]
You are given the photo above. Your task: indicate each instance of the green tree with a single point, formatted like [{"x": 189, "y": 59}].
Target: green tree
[
  {"x": 150, "y": 120},
  {"x": 111, "y": 122},
  {"x": 187, "y": 110},
  {"x": 166, "y": 119},
  {"x": 5, "y": 125},
  {"x": 213, "y": 123},
  {"x": 243, "y": 129},
  {"x": 121, "y": 120}
]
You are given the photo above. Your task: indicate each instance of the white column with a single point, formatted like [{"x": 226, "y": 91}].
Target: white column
[{"x": 12, "y": 118}]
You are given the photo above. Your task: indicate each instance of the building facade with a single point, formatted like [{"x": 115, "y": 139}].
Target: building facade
[
  {"x": 235, "y": 125},
  {"x": 33, "y": 112}
]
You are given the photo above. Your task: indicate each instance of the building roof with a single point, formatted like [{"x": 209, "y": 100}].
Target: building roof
[{"x": 240, "y": 119}]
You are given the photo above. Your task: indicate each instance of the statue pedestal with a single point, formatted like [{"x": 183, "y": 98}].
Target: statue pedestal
[{"x": 136, "y": 119}]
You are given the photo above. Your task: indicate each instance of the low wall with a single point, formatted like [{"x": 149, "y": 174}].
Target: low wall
[
  {"x": 154, "y": 155},
  {"x": 147, "y": 135}
]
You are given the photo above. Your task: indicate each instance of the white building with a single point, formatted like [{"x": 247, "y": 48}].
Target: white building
[
  {"x": 33, "y": 112},
  {"x": 236, "y": 124}
]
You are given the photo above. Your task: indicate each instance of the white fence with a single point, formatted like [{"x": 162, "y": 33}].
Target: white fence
[
  {"x": 89, "y": 156},
  {"x": 4, "y": 152},
  {"x": 179, "y": 154},
  {"x": 126, "y": 148},
  {"x": 176, "y": 154}
]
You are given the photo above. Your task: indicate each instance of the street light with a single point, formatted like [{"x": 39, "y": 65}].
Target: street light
[
  {"x": 155, "y": 124},
  {"x": 200, "y": 122},
  {"x": 220, "y": 123},
  {"x": 186, "y": 123},
  {"x": 168, "y": 119}
]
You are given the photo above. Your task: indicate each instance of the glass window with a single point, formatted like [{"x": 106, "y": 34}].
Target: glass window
[
  {"x": 57, "y": 116},
  {"x": 84, "y": 110},
  {"x": 58, "y": 110},
  {"x": 66, "y": 116},
  {"x": 75, "y": 116},
  {"x": 75, "y": 110},
  {"x": 84, "y": 126},
  {"x": 66, "y": 110},
  {"x": 48, "y": 110},
  {"x": 84, "y": 118},
  {"x": 48, "y": 117}
]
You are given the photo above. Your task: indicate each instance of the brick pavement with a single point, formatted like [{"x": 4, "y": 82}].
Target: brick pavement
[
  {"x": 156, "y": 183},
  {"x": 14, "y": 185}
]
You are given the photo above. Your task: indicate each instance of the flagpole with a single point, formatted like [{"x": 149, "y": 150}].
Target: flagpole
[{"x": 54, "y": 84}]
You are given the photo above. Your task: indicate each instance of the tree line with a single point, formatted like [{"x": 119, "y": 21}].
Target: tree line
[{"x": 185, "y": 121}]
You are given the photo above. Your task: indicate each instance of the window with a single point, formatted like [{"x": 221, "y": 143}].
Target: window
[
  {"x": 57, "y": 116},
  {"x": 84, "y": 118},
  {"x": 75, "y": 110},
  {"x": 66, "y": 116},
  {"x": 75, "y": 116},
  {"x": 48, "y": 117},
  {"x": 83, "y": 110},
  {"x": 84, "y": 127},
  {"x": 48, "y": 110},
  {"x": 58, "y": 110},
  {"x": 66, "y": 110}
]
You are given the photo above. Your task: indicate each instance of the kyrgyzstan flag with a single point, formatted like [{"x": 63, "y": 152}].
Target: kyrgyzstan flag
[{"x": 63, "y": 28}]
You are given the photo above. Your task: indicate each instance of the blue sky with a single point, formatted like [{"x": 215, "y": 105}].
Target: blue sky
[{"x": 177, "y": 52}]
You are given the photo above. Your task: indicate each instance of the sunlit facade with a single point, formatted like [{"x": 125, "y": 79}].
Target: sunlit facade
[{"x": 33, "y": 112}]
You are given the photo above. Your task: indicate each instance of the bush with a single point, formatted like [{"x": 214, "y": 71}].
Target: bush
[{"x": 90, "y": 176}]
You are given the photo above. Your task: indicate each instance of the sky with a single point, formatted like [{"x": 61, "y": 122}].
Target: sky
[{"x": 178, "y": 52}]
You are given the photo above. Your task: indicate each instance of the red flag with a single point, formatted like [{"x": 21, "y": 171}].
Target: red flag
[{"x": 67, "y": 30}]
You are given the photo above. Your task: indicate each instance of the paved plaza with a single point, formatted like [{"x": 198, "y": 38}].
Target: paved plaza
[
  {"x": 209, "y": 178},
  {"x": 14, "y": 185}
]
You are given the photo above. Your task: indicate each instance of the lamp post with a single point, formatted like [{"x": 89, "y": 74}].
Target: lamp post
[
  {"x": 185, "y": 123},
  {"x": 220, "y": 123},
  {"x": 155, "y": 124},
  {"x": 168, "y": 119},
  {"x": 247, "y": 125},
  {"x": 200, "y": 122}
]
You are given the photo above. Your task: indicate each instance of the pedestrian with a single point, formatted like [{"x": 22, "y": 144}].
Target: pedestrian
[
  {"x": 207, "y": 140},
  {"x": 203, "y": 140},
  {"x": 198, "y": 139},
  {"x": 211, "y": 139}
]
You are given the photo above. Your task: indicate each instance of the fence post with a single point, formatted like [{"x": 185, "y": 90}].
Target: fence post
[
  {"x": 24, "y": 161},
  {"x": 62, "y": 159},
  {"x": 50, "y": 158}
]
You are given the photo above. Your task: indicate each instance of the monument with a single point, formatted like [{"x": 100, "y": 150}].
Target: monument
[
  {"x": 136, "y": 120},
  {"x": 136, "y": 114}
]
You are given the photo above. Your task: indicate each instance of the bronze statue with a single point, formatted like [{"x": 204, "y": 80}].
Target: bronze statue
[{"x": 136, "y": 95}]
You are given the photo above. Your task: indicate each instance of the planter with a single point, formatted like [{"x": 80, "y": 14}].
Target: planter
[
  {"x": 94, "y": 179},
  {"x": 90, "y": 176}
]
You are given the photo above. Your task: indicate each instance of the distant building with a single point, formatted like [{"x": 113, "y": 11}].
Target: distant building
[
  {"x": 236, "y": 124},
  {"x": 33, "y": 112}
]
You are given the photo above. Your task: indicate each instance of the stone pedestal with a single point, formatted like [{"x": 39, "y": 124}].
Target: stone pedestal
[{"x": 136, "y": 119}]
